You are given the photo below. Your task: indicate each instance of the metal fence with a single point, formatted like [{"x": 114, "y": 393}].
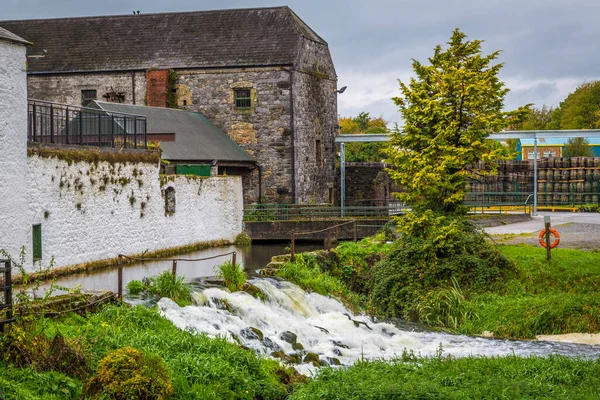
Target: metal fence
[
  {"x": 64, "y": 124},
  {"x": 6, "y": 304}
]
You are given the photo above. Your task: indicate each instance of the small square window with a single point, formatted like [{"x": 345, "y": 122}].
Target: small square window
[
  {"x": 242, "y": 98},
  {"x": 87, "y": 96}
]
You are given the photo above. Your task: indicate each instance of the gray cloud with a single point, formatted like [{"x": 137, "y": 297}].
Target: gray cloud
[{"x": 548, "y": 46}]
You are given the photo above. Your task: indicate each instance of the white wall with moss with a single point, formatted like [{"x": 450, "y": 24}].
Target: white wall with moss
[
  {"x": 96, "y": 211},
  {"x": 14, "y": 226}
]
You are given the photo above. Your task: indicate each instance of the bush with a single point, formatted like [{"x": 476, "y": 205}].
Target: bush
[
  {"x": 233, "y": 276},
  {"x": 135, "y": 287},
  {"x": 432, "y": 251},
  {"x": 172, "y": 286},
  {"x": 243, "y": 239},
  {"x": 128, "y": 374}
]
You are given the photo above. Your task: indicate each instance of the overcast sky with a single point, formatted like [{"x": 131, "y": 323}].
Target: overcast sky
[{"x": 549, "y": 46}]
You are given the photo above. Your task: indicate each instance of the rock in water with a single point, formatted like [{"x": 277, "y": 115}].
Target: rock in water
[
  {"x": 288, "y": 336},
  {"x": 271, "y": 345},
  {"x": 252, "y": 333}
]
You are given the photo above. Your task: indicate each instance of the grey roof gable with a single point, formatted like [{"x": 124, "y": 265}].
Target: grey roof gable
[
  {"x": 196, "y": 138},
  {"x": 11, "y": 37},
  {"x": 201, "y": 39}
]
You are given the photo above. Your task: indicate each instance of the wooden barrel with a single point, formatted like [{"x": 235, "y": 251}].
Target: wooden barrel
[
  {"x": 579, "y": 187},
  {"x": 565, "y": 187},
  {"x": 587, "y": 198},
  {"x": 578, "y": 198},
  {"x": 566, "y": 174},
  {"x": 587, "y": 187},
  {"x": 565, "y": 199},
  {"x": 550, "y": 161},
  {"x": 555, "y": 198},
  {"x": 550, "y": 175},
  {"x": 594, "y": 199},
  {"x": 579, "y": 173},
  {"x": 596, "y": 175}
]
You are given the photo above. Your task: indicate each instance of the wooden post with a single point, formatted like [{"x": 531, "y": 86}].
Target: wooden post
[
  {"x": 547, "y": 225},
  {"x": 292, "y": 249},
  {"x": 120, "y": 278},
  {"x": 174, "y": 267},
  {"x": 233, "y": 259},
  {"x": 355, "y": 231}
]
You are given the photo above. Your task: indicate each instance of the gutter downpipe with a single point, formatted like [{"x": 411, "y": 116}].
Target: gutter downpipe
[
  {"x": 535, "y": 156},
  {"x": 133, "y": 86},
  {"x": 292, "y": 135}
]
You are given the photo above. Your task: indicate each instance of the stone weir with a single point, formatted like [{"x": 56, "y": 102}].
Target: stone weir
[{"x": 315, "y": 230}]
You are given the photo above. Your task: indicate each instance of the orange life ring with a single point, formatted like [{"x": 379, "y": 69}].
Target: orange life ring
[{"x": 542, "y": 238}]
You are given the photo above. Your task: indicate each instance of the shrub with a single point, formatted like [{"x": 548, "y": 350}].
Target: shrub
[
  {"x": 233, "y": 276},
  {"x": 243, "y": 239},
  {"x": 135, "y": 287},
  {"x": 433, "y": 250},
  {"x": 172, "y": 286},
  {"x": 128, "y": 374}
]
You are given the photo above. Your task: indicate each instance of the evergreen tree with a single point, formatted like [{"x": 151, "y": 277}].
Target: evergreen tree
[{"x": 449, "y": 110}]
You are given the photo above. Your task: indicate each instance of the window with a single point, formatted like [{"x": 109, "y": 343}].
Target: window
[
  {"x": 37, "y": 242},
  {"x": 242, "y": 98},
  {"x": 549, "y": 154},
  {"x": 87, "y": 96},
  {"x": 318, "y": 153},
  {"x": 170, "y": 201}
]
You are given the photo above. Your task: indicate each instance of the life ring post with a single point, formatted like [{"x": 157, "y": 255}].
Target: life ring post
[{"x": 544, "y": 237}]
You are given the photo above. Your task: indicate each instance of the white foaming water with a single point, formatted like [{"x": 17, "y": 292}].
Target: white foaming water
[{"x": 325, "y": 327}]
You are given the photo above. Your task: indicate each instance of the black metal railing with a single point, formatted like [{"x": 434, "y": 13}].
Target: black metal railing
[
  {"x": 6, "y": 304},
  {"x": 63, "y": 124}
]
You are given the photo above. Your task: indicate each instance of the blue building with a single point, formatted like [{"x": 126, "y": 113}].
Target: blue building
[{"x": 551, "y": 147}]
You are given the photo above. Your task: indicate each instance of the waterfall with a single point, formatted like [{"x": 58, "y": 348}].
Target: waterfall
[{"x": 298, "y": 326}]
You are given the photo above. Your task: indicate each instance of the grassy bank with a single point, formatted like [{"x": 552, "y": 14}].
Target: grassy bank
[
  {"x": 466, "y": 378},
  {"x": 561, "y": 296},
  {"x": 199, "y": 367}
]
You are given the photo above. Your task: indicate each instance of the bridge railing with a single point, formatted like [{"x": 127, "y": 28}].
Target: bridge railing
[{"x": 297, "y": 212}]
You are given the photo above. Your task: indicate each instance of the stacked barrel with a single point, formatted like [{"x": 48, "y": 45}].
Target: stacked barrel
[
  {"x": 512, "y": 183},
  {"x": 568, "y": 181}
]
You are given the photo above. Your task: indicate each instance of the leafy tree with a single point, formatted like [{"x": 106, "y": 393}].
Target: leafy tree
[
  {"x": 364, "y": 123},
  {"x": 536, "y": 119},
  {"x": 449, "y": 110},
  {"x": 580, "y": 110},
  {"x": 578, "y": 147}
]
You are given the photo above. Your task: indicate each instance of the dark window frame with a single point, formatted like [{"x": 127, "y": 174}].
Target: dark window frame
[
  {"x": 86, "y": 99},
  {"x": 37, "y": 242},
  {"x": 242, "y": 98}
]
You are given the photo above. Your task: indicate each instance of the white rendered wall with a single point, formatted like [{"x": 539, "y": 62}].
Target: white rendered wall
[
  {"x": 14, "y": 223},
  {"x": 93, "y": 212}
]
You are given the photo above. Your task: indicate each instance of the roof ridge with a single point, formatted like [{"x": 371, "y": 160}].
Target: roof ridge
[
  {"x": 296, "y": 20},
  {"x": 146, "y": 14}
]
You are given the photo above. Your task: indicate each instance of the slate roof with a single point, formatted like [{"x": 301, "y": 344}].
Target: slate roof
[
  {"x": 196, "y": 138},
  {"x": 220, "y": 38},
  {"x": 11, "y": 37}
]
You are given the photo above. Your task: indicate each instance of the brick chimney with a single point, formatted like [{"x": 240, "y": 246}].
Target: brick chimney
[{"x": 157, "y": 87}]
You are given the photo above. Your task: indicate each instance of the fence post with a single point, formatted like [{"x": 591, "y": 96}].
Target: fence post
[
  {"x": 547, "y": 225},
  {"x": 120, "y": 278},
  {"x": 7, "y": 292},
  {"x": 174, "y": 267},
  {"x": 355, "y": 231},
  {"x": 51, "y": 123},
  {"x": 80, "y": 126},
  {"x": 292, "y": 249},
  {"x": 99, "y": 130},
  {"x": 234, "y": 259},
  {"x": 34, "y": 123},
  {"x": 67, "y": 125}
]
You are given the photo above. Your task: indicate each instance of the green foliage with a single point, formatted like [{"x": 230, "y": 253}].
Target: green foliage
[
  {"x": 364, "y": 123},
  {"x": 580, "y": 110},
  {"x": 28, "y": 384},
  {"x": 444, "y": 307},
  {"x": 433, "y": 250},
  {"x": 536, "y": 119},
  {"x": 172, "y": 286},
  {"x": 465, "y": 378},
  {"x": 243, "y": 239},
  {"x": 449, "y": 110},
  {"x": 128, "y": 374},
  {"x": 233, "y": 276},
  {"x": 201, "y": 367},
  {"x": 135, "y": 287},
  {"x": 578, "y": 147}
]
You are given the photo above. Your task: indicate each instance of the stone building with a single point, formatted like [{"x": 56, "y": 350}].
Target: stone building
[{"x": 261, "y": 75}]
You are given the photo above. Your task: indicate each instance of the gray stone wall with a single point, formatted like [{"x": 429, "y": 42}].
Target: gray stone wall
[
  {"x": 315, "y": 124},
  {"x": 263, "y": 130},
  {"x": 66, "y": 88}
]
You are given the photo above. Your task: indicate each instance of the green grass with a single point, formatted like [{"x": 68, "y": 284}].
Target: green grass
[
  {"x": 233, "y": 276},
  {"x": 27, "y": 384},
  {"x": 166, "y": 284},
  {"x": 466, "y": 378},
  {"x": 542, "y": 298},
  {"x": 201, "y": 367}
]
